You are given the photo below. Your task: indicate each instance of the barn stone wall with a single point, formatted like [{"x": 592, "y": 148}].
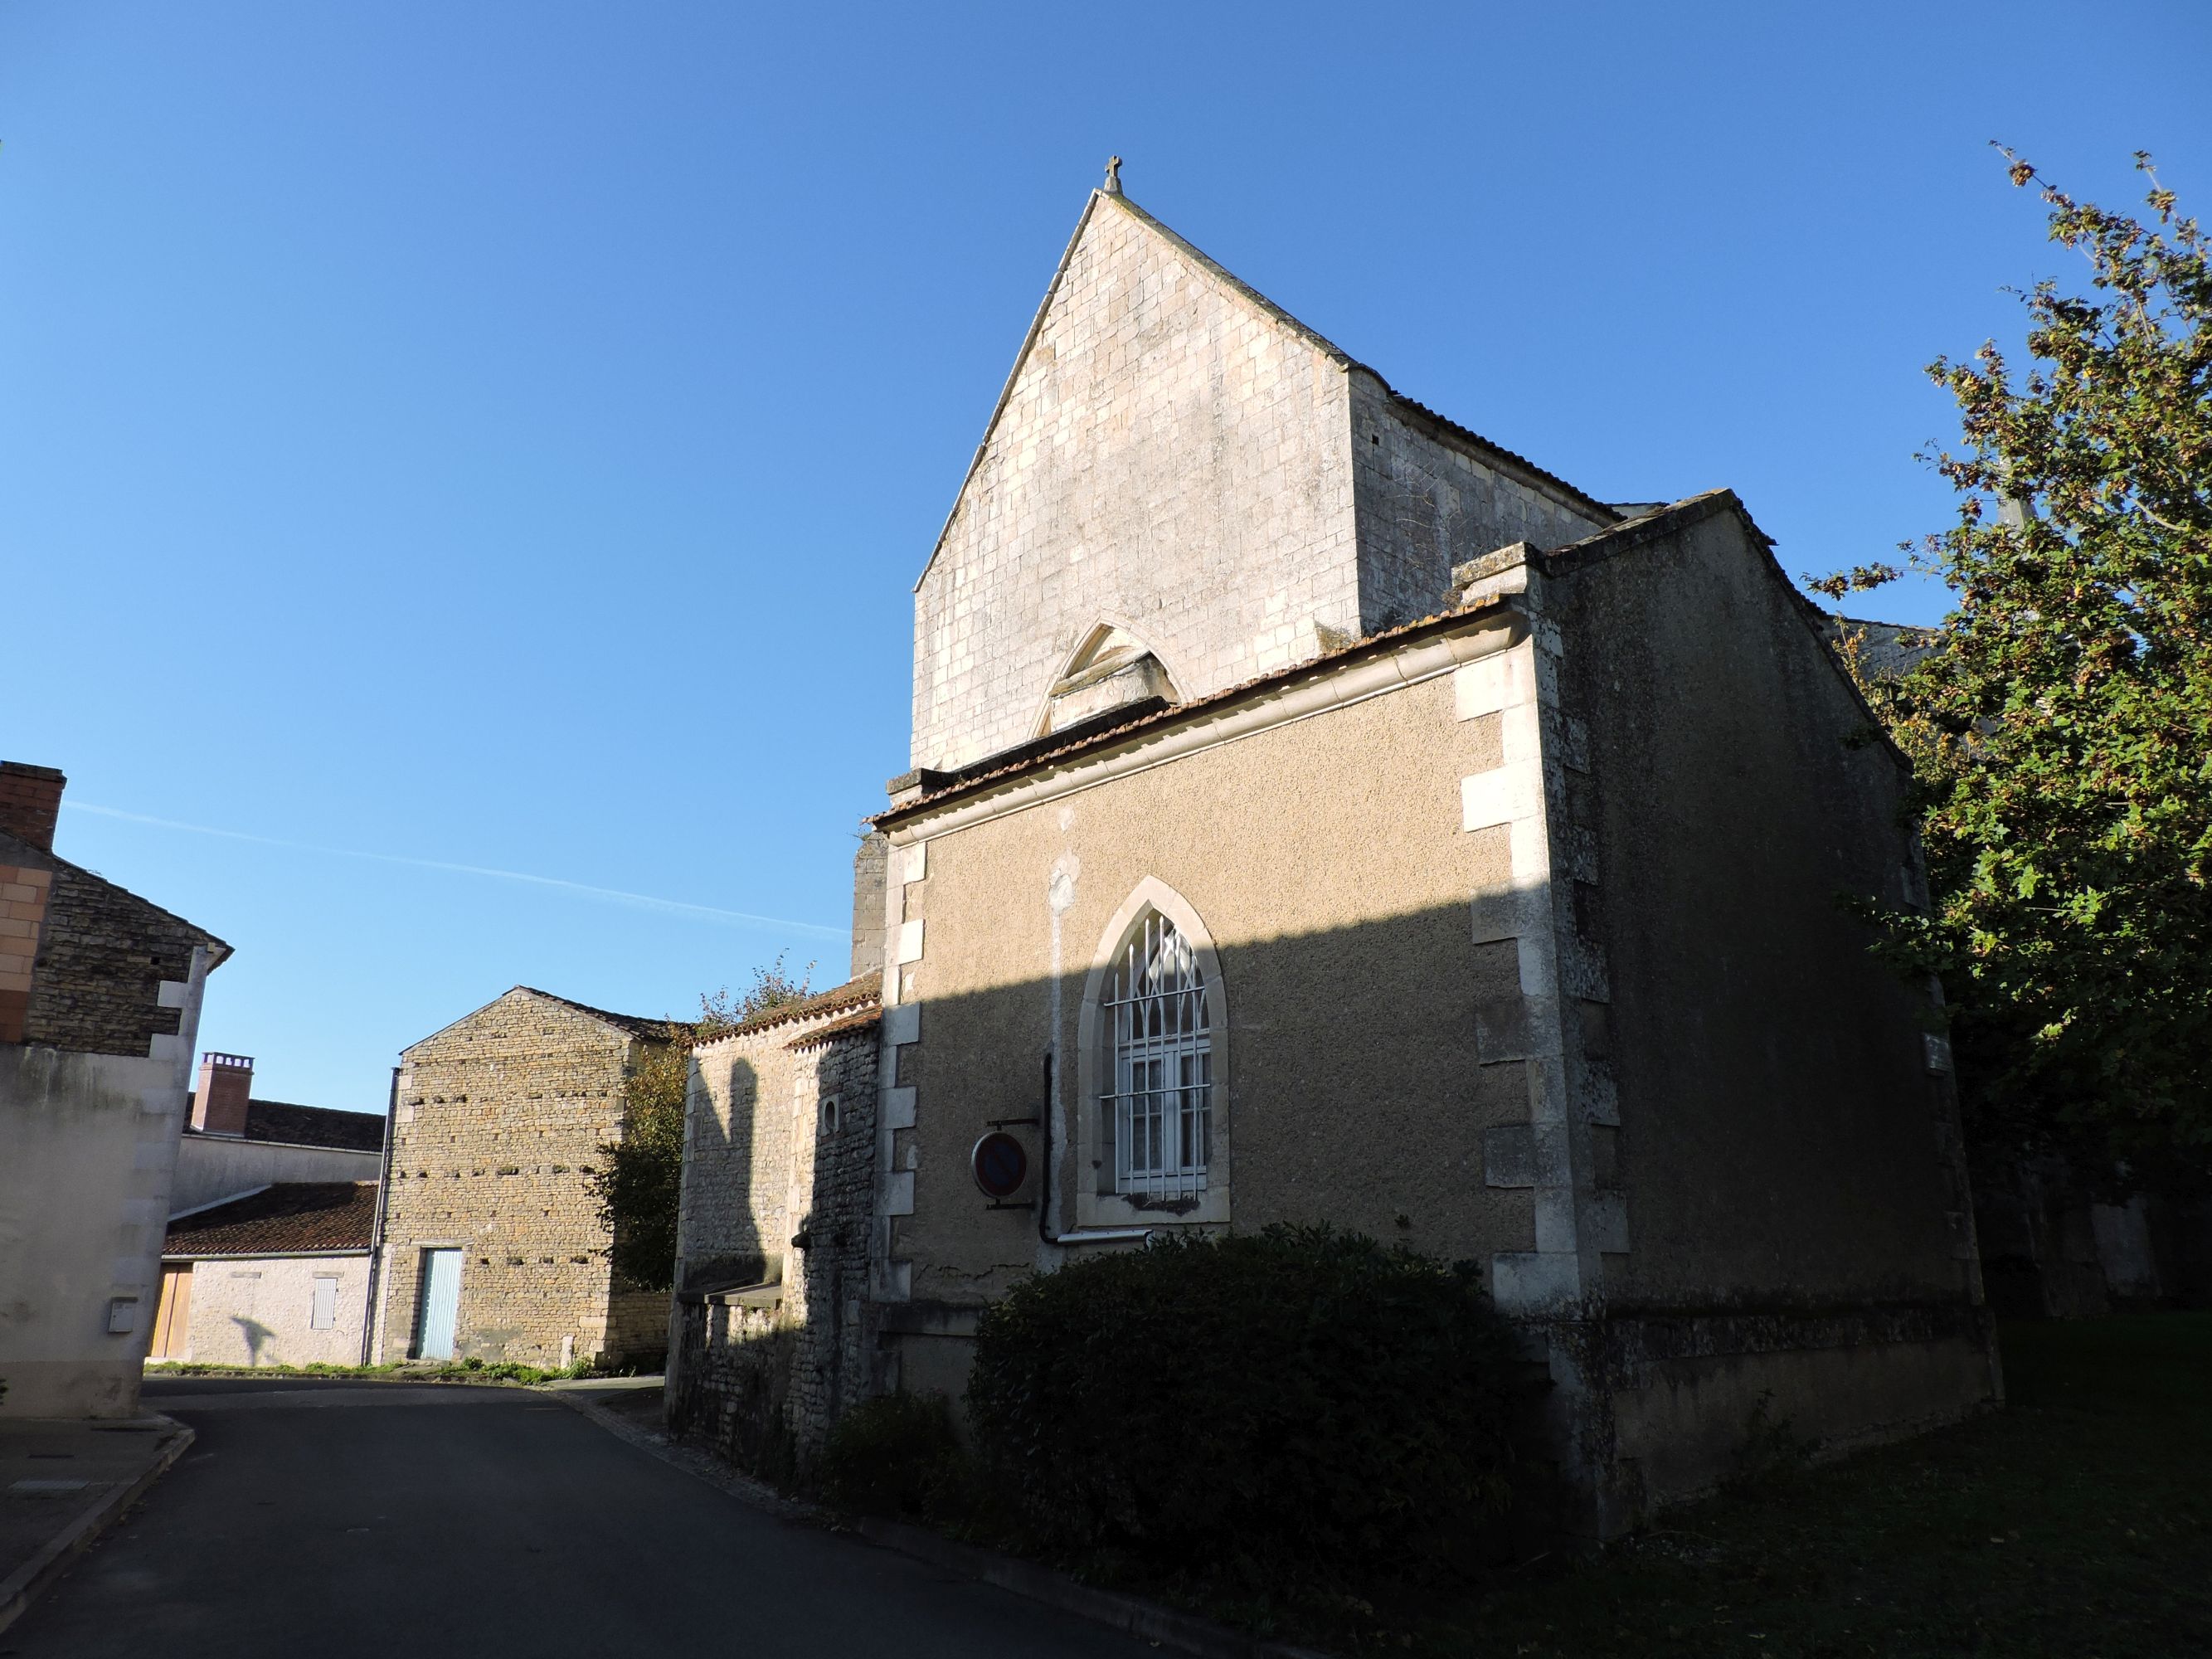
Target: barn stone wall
[{"x": 499, "y": 1116}]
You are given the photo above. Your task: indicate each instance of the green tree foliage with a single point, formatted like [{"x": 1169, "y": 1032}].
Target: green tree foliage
[
  {"x": 2060, "y": 725},
  {"x": 1300, "y": 1406},
  {"x": 640, "y": 1177}
]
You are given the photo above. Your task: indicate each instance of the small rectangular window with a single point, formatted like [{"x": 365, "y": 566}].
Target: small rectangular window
[{"x": 325, "y": 1315}]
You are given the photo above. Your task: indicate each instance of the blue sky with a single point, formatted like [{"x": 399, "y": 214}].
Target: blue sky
[{"x": 443, "y": 441}]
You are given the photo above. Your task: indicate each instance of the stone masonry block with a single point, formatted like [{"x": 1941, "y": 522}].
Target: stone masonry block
[
  {"x": 1490, "y": 684},
  {"x": 1506, "y": 794},
  {"x": 1509, "y": 1156}
]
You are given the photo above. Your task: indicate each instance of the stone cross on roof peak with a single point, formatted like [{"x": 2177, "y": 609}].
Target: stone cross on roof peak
[{"x": 1112, "y": 185}]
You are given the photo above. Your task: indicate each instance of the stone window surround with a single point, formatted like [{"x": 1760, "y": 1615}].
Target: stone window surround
[{"x": 1095, "y": 1065}]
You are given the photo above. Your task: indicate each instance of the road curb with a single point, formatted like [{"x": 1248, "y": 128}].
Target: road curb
[
  {"x": 700, "y": 1465},
  {"x": 23, "y": 1586},
  {"x": 1147, "y": 1621}
]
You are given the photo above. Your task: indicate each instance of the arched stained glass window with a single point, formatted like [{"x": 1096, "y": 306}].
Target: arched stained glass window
[{"x": 1159, "y": 1106}]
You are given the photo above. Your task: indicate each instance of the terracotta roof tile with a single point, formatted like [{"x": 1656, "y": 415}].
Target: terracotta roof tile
[
  {"x": 854, "y": 993},
  {"x": 290, "y": 1217},
  {"x": 866, "y": 1019}
]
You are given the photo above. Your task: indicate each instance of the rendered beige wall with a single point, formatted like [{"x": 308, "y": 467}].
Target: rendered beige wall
[
  {"x": 748, "y": 1155},
  {"x": 1327, "y": 860},
  {"x": 259, "y": 1310}
]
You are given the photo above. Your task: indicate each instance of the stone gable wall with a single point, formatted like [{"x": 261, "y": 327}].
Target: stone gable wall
[
  {"x": 499, "y": 1115},
  {"x": 1171, "y": 458},
  {"x": 103, "y": 952},
  {"x": 1426, "y": 503}
]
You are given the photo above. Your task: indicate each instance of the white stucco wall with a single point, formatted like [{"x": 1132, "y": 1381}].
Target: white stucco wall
[
  {"x": 88, "y": 1148},
  {"x": 214, "y": 1167},
  {"x": 258, "y": 1310}
]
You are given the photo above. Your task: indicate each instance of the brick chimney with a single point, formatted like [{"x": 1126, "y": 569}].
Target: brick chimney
[
  {"x": 219, "y": 1103},
  {"x": 30, "y": 801}
]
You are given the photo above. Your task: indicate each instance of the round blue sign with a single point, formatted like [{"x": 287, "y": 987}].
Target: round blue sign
[{"x": 999, "y": 1164}]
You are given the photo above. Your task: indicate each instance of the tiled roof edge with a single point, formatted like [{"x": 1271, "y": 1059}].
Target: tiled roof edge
[
  {"x": 1492, "y": 446},
  {"x": 849, "y": 1025},
  {"x": 854, "y": 993}
]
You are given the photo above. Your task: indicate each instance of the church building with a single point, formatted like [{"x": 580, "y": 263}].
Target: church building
[{"x": 1319, "y": 813}]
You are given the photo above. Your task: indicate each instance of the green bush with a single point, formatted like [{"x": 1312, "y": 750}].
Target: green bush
[
  {"x": 1299, "y": 1406},
  {"x": 896, "y": 1456}
]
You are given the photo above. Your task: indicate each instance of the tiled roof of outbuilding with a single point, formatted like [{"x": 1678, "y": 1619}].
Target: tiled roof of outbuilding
[
  {"x": 291, "y": 1218},
  {"x": 310, "y": 1126},
  {"x": 851, "y": 1024}
]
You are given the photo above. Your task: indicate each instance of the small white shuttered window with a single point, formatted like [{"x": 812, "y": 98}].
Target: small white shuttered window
[
  {"x": 325, "y": 1315},
  {"x": 1159, "y": 1110}
]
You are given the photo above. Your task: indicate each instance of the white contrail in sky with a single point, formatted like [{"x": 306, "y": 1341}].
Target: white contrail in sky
[{"x": 642, "y": 901}]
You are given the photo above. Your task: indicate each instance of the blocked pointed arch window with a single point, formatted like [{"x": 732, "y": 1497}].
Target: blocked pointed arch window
[{"x": 1157, "y": 1111}]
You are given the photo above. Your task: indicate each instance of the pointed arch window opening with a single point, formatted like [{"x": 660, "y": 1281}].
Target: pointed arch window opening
[{"x": 1158, "y": 1107}]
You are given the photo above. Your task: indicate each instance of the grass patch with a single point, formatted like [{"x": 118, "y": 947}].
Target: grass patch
[
  {"x": 459, "y": 1371},
  {"x": 2077, "y": 1521}
]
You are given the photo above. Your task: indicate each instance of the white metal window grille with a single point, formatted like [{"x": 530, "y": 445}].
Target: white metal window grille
[{"x": 1161, "y": 1102}]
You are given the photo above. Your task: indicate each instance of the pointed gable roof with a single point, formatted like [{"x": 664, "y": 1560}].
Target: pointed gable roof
[
  {"x": 1230, "y": 283},
  {"x": 637, "y": 1025},
  {"x": 1221, "y": 274}
]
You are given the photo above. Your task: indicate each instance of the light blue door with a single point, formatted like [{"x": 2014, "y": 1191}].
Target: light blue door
[{"x": 441, "y": 1300}]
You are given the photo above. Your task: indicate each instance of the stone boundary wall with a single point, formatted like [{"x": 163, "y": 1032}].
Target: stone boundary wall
[{"x": 759, "y": 1374}]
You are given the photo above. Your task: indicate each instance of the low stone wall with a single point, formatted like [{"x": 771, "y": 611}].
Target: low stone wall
[
  {"x": 779, "y": 1180},
  {"x": 637, "y": 1327},
  {"x": 759, "y": 1385},
  {"x": 731, "y": 1391},
  {"x": 1689, "y": 1392}
]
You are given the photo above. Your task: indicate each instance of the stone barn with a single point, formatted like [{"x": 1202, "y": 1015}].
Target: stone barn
[{"x": 492, "y": 1244}]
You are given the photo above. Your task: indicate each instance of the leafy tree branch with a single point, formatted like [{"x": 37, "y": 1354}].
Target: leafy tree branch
[
  {"x": 2059, "y": 721},
  {"x": 640, "y": 1177}
]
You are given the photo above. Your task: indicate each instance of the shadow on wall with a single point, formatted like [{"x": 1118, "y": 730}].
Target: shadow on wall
[
  {"x": 769, "y": 1345},
  {"x": 256, "y": 1335},
  {"x": 1773, "y": 1154}
]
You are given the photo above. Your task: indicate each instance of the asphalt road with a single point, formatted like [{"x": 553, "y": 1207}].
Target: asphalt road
[{"x": 341, "y": 1519}]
